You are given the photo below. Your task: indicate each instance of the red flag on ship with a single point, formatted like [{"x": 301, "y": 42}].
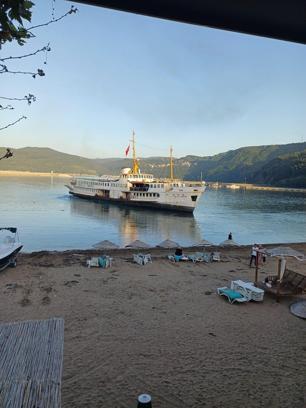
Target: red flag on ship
[{"x": 127, "y": 150}]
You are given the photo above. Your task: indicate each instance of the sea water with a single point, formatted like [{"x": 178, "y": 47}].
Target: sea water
[{"x": 47, "y": 217}]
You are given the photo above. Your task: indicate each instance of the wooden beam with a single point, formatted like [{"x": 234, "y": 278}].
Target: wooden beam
[{"x": 280, "y": 19}]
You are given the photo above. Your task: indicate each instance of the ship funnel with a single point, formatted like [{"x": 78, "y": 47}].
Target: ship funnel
[{"x": 126, "y": 170}]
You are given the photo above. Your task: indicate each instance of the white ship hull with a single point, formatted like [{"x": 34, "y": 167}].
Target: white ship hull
[{"x": 139, "y": 190}]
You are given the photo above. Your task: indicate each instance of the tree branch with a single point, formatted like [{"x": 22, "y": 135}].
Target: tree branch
[
  {"x": 45, "y": 48},
  {"x": 7, "y": 155},
  {"x": 5, "y": 70},
  {"x": 6, "y": 107},
  {"x": 13, "y": 123},
  {"x": 29, "y": 98},
  {"x": 71, "y": 11},
  {"x": 21, "y": 34}
]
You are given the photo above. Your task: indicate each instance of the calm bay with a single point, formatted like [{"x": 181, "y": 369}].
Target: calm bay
[{"x": 49, "y": 219}]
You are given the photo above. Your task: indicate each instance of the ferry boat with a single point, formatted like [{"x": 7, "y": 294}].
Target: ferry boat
[{"x": 134, "y": 188}]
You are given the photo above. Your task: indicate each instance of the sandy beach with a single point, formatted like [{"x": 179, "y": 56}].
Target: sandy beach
[{"x": 162, "y": 329}]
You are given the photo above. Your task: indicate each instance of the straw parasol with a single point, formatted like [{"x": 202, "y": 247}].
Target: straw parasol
[
  {"x": 105, "y": 245},
  {"x": 168, "y": 244},
  {"x": 286, "y": 251},
  {"x": 203, "y": 242},
  {"x": 138, "y": 244},
  {"x": 229, "y": 242}
]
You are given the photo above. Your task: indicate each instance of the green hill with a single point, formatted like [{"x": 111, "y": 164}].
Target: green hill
[
  {"x": 244, "y": 164},
  {"x": 284, "y": 171},
  {"x": 277, "y": 165},
  {"x": 42, "y": 159}
]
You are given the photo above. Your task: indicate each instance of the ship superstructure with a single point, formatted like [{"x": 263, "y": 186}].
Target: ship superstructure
[{"x": 134, "y": 188}]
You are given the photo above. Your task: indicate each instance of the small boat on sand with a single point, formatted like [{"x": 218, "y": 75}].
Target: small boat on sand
[{"x": 9, "y": 248}]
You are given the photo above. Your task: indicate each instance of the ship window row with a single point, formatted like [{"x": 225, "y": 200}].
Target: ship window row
[
  {"x": 171, "y": 185},
  {"x": 92, "y": 183},
  {"x": 141, "y": 176},
  {"x": 146, "y": 194},
  {"x": 156, "y": 185},
  {"x": 103, "y": 184}
]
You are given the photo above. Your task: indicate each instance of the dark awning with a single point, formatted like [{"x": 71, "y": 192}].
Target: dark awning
[{"x": 280, "y": 19}]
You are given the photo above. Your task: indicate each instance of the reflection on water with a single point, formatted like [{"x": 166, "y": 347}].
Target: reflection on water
[
  {"x": 260, "y": 200},
  {"x": 150, "y": 225},
  {"x": 48, "y": 218}
]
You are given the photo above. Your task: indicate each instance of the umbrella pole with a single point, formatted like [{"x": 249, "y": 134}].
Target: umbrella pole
[
  {"x": 278, "y": 281},
  {"x": 256, "y": 268}
]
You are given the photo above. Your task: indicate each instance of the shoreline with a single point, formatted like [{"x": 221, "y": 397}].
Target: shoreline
[
  {"x": 161, "y": 251},
  {"x": 245, "y": 186},
  {"x": 33, "y": 174},
  {"x": 210, "y": 185}
]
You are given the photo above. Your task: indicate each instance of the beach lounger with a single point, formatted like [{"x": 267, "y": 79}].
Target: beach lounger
[
  {"x": 142, "y": 259},
  {"x": 103, "y": 261},
  {"x": 93, "y": 262},
  {"x": 178, "y": 258},
  {"x": 231, "y": 295},
  {"x": 207, "y": 256},
  {"x": 216, "y": 256},
  {"x": 201, "y": 257},
  {"x": 196, "y": 257},
  {"x": 248, "y": 289}
]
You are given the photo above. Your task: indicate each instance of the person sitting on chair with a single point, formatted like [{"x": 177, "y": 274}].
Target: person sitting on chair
[{"x": 178, "y": 251}]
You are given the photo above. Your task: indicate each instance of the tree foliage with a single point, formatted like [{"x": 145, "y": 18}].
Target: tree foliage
[{"x": 13, "y": 15}]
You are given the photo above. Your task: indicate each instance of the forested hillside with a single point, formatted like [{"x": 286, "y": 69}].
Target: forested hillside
[
  {"x": 277, "y": 165},
  {"x": 245, "y": 164}
]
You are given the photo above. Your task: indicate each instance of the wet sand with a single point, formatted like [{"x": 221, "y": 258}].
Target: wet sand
[{"x": 162, "y": 329}]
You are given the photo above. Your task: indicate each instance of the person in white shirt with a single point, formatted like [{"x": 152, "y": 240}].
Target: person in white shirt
[{"x": 253, "y": 254}]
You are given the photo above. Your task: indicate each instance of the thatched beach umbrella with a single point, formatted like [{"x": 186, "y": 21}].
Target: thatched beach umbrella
[
  {"x": 168, "y": 244},
  {"x": 229, "y": 242},
  {"x": 106, "y": 244},
  {"x": 138, "y": 244},
  {"x": 203, "y": 242},
  {"x": 286, "y": 251}
]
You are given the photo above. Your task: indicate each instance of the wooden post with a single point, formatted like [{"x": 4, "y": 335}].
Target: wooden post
[
  {"x": 256, "y": 267},
  {"x": 278, "y": 280}
]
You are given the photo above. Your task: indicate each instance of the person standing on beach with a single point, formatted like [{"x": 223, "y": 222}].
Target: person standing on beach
[
  {"x": 230, "y": 236},
  {"x": 253, "y": 254},
  {"x": 262, "y": 254}
]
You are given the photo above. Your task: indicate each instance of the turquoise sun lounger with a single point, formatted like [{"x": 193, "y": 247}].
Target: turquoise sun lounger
[{"x": 231, "y": 295}]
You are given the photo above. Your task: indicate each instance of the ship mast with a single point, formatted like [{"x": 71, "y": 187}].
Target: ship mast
[
  {"x": 171, "y": 163},
  {"x": 135, "y": 161}
]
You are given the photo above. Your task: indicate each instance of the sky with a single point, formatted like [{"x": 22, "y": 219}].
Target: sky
[{"x": 201, "y": 90}]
